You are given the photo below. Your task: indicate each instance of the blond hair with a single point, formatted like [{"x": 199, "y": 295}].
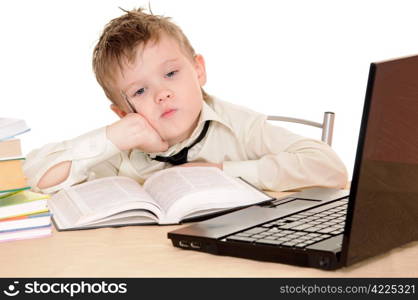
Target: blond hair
[{"x": 120, "y": 39}]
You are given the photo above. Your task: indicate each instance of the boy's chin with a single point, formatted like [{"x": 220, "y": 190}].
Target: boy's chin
[
  {"x": 177, "y": 138},
  {"x": 178, "y": 134}
]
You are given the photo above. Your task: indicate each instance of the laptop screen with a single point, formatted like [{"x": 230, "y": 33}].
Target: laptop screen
[{"x": 383, "y": 209}]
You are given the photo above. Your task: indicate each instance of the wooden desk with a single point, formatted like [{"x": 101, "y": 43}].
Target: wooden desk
[{"x": 145, "y": 251}]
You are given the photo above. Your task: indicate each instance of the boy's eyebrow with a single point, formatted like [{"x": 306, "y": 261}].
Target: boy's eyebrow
[{"x": 170, "y": 60}]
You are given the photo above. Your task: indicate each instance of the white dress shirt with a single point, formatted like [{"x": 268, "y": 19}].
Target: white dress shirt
[{"x": 267, "y": 156}]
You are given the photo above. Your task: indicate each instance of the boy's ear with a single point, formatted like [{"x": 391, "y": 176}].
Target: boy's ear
[
  {"x": 200, "y": 68},
  {"x": 121, "y": 113}
]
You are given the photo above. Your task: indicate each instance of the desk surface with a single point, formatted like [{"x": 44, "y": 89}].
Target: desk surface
[{"x": 145, "y": 251}]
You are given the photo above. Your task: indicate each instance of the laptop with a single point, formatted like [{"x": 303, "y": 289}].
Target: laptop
[{"x": 331, "y": 228}]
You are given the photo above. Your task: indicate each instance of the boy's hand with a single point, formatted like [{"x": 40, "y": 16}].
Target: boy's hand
[
  {"x": 202, "y": 164},
  {"x": 133, "y": 131}
]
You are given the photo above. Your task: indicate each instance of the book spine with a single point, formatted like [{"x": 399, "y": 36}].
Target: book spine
[{"x": 26, "y": 234}]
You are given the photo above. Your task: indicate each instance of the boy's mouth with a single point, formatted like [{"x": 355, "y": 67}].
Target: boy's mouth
[{"x": 168, "y": 113}]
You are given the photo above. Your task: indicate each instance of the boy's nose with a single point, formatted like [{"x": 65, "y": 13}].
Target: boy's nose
[{"x": 164, "y": 95}]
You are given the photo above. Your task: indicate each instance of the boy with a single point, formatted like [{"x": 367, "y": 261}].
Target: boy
[{"x": 154, "y": 79}]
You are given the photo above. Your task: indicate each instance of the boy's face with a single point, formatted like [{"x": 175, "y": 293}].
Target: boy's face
[{"x": 164, "y": 85}]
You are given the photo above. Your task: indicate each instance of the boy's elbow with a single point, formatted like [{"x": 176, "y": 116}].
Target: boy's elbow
[
  {"x": 341, "y": 179},
  {"x": 332, "y": 170},
  {"x": 338, "y": 176},
  {"x": 46, "y": 182},
  {"x": 54, "y": 176}
]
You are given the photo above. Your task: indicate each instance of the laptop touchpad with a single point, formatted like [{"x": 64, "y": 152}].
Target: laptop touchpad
[
  {"x": 245, "y": 218},
  {"x": 296, "y": 205}
]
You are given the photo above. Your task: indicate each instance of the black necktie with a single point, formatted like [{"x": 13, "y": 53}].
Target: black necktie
[{"x": 181, "y": 157}]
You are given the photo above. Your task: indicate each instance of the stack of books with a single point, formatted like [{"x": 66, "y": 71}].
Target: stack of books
[
  {"x": 23, "y": 213},
  {"x": 12, "y": 178}
]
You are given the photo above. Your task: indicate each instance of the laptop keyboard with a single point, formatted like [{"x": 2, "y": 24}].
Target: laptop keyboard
[{"x": 298, "y": 230}]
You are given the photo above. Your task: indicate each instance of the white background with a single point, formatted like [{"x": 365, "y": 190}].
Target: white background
[{"x": 297, "y": 58}]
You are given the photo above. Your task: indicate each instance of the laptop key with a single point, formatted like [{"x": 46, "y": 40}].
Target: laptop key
[
  {"x": 289, "y": 244},
  {"x": 308, "y": 242},
  {"x": 279, "y": 223},
  {"x": 279, "y": 234},
  {"x": 327, "y": 230},
  {"x": 299, "y": 233},
  {"x": 291, "y": 236},
  {"x": 321, "y": 226},
  {"x": 297, "y": 241},
  {"x": 325, "y": 207},
  {"x": 312, "y": 229},
  {"x": 264, "y": 233},
  {"x": 255, "y": 230},
  {"x": 313, "y": 234},
  {"x": 258, "y": 236},
  {"x": 329, "y": 223},
  {"x": 293, "y": 224},
  {"x": 302, "y": 227}
]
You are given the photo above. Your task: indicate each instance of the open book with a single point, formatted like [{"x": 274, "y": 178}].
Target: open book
[{"x": 169, "y": 196}]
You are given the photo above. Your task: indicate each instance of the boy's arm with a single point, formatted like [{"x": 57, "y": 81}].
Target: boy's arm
[
  {"x": 63, "y": 164},
  {"x": 57, "y": 165},
  {"x": 280, "y": 160}
]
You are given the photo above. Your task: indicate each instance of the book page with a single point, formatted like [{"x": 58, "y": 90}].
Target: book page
[
  {"x": 64, "y": 212},
  {"x": 103, "y": 197},
  {"x": 210, "y": 201},
  {"x": 126, "y": 218},
  {"x": 167, "y": 186},
  {"x": 214, "y": 187}
]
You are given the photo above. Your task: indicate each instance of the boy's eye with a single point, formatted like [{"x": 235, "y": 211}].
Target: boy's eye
[
  {"x": 139, "y": 92},
  {"x": 171, "y": 74}
]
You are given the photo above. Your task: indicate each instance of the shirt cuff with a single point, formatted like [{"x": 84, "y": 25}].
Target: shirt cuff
[{"x": 247, "y": 169}]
